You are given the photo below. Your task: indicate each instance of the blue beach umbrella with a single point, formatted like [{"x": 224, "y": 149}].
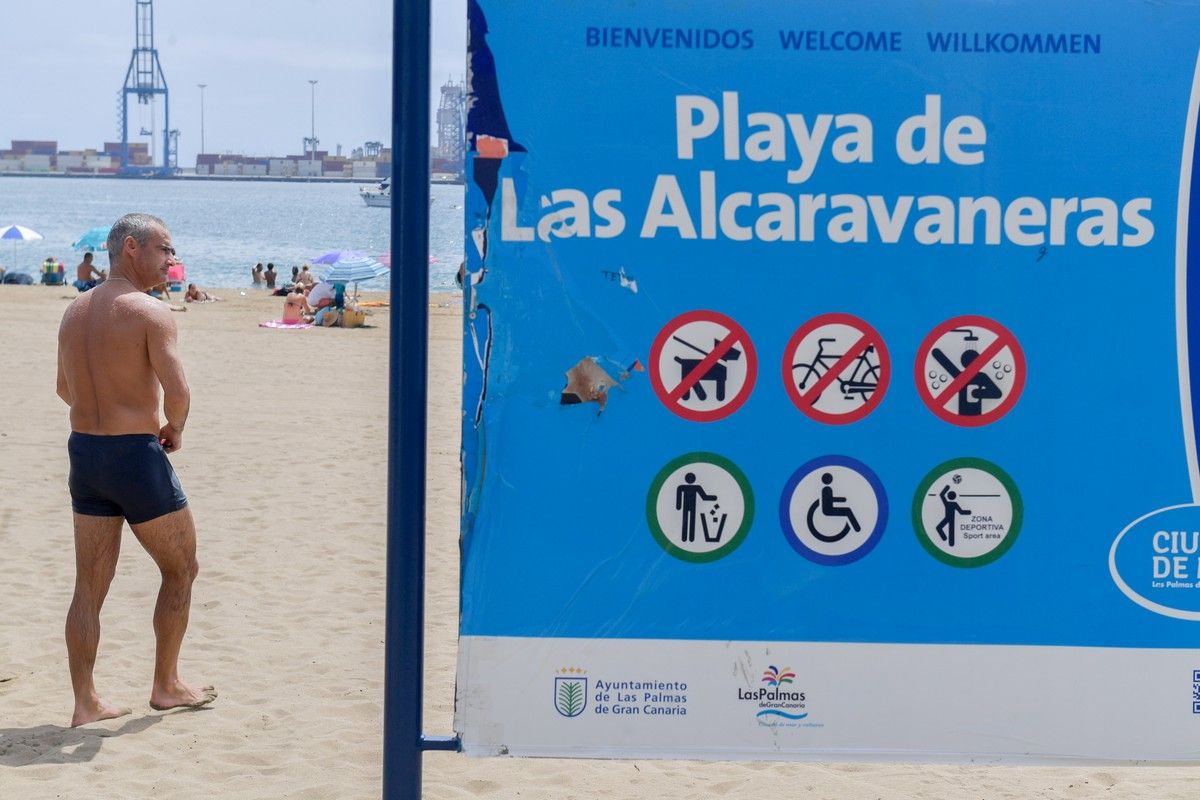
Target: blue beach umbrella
[
  {"x": 18, "y": 233},
  {"x": 95, "y": 239},
  {"x": 354, "y": 268}
]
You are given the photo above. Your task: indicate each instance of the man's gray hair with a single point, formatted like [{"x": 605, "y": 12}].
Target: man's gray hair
[{"x": 139, "y": 226}]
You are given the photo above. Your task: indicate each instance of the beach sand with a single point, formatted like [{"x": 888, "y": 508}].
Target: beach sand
[{"x": 285, "y": 466}]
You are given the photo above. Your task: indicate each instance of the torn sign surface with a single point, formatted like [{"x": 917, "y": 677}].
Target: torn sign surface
[{"x": 874, "y": 434}]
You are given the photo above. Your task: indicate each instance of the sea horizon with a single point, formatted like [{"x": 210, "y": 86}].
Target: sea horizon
[{"x": 222, "y": 229}]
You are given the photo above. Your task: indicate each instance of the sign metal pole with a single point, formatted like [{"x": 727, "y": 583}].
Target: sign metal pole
[{"x": 403, "y": 741}]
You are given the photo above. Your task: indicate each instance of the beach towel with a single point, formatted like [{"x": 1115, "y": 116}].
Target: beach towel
[{"x": 278, "y": 323}]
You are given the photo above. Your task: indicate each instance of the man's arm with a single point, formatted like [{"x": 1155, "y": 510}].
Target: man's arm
[
  {"x": 64, "y": 391},
  {"x": 162, "y": 344}
]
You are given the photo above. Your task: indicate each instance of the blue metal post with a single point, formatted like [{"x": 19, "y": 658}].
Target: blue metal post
[{"x": 405, "y": 642}]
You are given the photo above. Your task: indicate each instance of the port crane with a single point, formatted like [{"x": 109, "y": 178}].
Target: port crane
[{"x": 144, "y": 80}]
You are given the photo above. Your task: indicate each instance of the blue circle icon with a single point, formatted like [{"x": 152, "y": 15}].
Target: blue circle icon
[{"x": 833, "y": 510}]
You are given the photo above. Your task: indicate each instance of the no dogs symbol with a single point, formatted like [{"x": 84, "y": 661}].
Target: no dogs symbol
[{"x": 702, "y": 366}]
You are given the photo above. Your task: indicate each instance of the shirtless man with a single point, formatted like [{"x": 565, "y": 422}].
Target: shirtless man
[
  {"x": 116, "y": 346},
  {"x": 86, "y": 274}
]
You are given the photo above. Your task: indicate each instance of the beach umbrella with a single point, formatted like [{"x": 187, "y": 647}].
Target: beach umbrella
[
  {"x": 95, "y": 239},
  {"x": 354, "y": 269},
  {"x": 18, "y": 233},
  {"x": 334, "y": 256}
]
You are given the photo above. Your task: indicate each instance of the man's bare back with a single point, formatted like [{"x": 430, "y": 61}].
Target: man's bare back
[{"x": 106, "y": 342}]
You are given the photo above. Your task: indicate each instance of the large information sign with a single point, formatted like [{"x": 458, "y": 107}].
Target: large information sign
[{"x": 827, "y": 387}]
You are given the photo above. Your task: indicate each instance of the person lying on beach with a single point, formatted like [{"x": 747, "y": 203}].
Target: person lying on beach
[
  {"x": 195, "y": 294},
  {"x": 116, "y": 347},
  {"x": 160, "y": 292},
  {"x": 296, "y": 307}
]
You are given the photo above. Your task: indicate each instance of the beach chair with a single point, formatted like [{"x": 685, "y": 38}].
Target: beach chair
[
  {"x": 176, "y": 277},
  {"x": 53, "y": 274}
]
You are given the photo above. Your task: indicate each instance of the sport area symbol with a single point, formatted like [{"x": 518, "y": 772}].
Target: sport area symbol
[
  {"x": 833, "y": 510},
  {"x": 970, "y": 371},
  {"x": 967, "y": 512},
  {"x": 699, "y": 507},
  {"x": 836, "y": 368},
  {"x": 703, "y": 366}
]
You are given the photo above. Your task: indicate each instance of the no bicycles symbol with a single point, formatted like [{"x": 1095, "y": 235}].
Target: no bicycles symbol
[
  {"x": 702, "y": 366},
  {"x": 836, "y": 368},
  {"x": 970, "y": 371}
]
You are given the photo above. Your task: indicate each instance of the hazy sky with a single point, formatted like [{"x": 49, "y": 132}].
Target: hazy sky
[{"x": 64, "y": 62}]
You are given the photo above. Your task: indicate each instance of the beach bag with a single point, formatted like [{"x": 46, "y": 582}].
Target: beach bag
[{"x": 353, "y": 318}]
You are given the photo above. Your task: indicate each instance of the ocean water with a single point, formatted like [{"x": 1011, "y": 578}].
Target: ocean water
[{"x": 222, "y": 228}]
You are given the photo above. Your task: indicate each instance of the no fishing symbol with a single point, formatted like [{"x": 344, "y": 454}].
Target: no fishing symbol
[
  {"x": 702, "y": 366},
  {"x": 836, "y": 368},
  {"x": 970, "y": 371}
]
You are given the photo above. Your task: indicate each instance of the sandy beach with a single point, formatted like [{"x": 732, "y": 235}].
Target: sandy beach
[{"x": 285, "y": 467}]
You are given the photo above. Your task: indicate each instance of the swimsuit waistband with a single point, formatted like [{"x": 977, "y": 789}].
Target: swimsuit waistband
[{"x": 128, "y": 437}]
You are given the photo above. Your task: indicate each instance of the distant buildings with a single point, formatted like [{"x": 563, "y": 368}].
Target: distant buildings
[
  {"x": 28, "y": 155},
  {"x": 370, "y": 162},
  {"x": 319, "y": 164}
]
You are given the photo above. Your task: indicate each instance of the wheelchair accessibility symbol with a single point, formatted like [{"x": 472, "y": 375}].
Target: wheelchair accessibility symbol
[{"x": 833, "y": 510}]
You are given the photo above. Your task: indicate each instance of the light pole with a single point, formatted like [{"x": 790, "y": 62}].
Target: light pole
[
  {"x": 312, "y": 153},
  {"x": 202, "y": 86}
]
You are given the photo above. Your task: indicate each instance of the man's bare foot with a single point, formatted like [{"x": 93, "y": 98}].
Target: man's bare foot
[
  {"x": 94, "y": 712},
  {"x": 181, "y": 696}
]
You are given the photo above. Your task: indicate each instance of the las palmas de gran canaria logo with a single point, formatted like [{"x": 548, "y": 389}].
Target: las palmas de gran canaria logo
[
  {"x": 570, "y": 691},
  {"x": 777, "y": 699}
]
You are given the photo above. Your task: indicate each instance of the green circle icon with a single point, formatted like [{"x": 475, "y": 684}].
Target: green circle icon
[
  {"x": 700, "y": 507},
  {"x": 967, "y": 512}
]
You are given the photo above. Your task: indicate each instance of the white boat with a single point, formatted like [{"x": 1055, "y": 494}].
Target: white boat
[{"x": 379, "y": 196}]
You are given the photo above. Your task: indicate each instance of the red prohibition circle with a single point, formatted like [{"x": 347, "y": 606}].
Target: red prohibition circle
[
  {"x": 807, "y": 401},
  {"x": 1004, "y": 336},
  {"x": 739, "y": 335}
]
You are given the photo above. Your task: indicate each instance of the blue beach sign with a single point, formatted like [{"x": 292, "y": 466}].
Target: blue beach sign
[{"x": 829, "y": 381}]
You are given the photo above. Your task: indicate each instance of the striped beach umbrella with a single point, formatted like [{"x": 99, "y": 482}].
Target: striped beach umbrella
[
  {"x": 354, "y": 267},
  {"x": 18, "y": 233},
  {"x": 353, "y": 270}
]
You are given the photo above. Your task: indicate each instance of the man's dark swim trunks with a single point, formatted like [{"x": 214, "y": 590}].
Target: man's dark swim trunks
[{"x": 122, "y": 476}]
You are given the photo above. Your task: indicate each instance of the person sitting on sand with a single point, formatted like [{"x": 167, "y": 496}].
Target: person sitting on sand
[
  {"x": 270, "y": 275},
  {"x": 306, "y": 278},
  {"x": 195, "y": 294},
  {"x": 86, "y": 274},
  {"x": 116, "y": 347},
  {"x": 296, "y": 308},
  {"x": 322, "y": 295}
]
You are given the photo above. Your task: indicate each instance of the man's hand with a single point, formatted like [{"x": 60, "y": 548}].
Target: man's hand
[{"x": 170, "y": 439}]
